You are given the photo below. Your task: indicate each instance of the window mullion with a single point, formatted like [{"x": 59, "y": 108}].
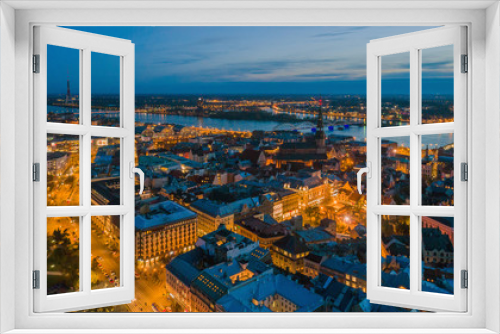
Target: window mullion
[
  {"x": 85, "y": 250},
  {"x": 85, "y": 172},
  {"x": 415, "y": 263}
]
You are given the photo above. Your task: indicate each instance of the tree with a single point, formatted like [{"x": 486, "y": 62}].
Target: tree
[
  {"x": 145, "y": 210},
  {"x": 95, "y": 264},
  {"x": 64, "y": 256},
  {"x": 313, "y": 213}
]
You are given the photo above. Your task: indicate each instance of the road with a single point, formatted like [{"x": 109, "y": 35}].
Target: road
[
  {"x": 151, "y": 284},
  {"x": 105, "y": 248},
  {"x": 66, "y": 192}
]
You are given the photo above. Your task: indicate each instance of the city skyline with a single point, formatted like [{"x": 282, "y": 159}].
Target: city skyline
[
  {"x": 254, "y": 191},
  {"x": 248, "y": 60}
]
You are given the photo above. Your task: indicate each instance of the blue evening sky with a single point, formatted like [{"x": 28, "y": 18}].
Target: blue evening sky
[{"x": 249, "y": 60}]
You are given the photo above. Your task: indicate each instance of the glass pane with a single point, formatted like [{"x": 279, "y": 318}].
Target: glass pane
[
  {"x": 63, "y": 84},
  {"x": 105, "y": 171},
  {"x": 395, "y": 99},
  {"x": 63, "y": 255},
  {"x": 437, "y": 254},
  {"x": 63, "y": 170},
  {"x": 395, "y": 252},
  {"x": 396, "y": 171},
  {"x": 437, "y": 84},
  {"x": 437, "y": 169},
  {"x": 105, "y": 267},
  {"x": 105, "y": 89}
]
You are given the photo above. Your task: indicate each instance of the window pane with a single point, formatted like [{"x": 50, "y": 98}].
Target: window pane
[
  {"x": 395, "y": 252},
  {"x": 105, "y": 89},
  {"x": 105, "y": 265},
  {"x": 437, "y": 84},
  {"x": 395, "y": 99},
  {"x": 105, "y": 171},
  {"x": 395, "y": 171},
  {"x": 63, "y": 170},
  {"x": 437, "y": 169},
  {"x": 63, "y": 84},
  {"x": 437, "y": 254},
  {"x": 63, "y": 255}
]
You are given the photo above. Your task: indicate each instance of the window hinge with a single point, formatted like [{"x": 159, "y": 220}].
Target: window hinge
[
  {"x": 36, "y": 279},
  {"x": 36, "y": 63},
  {"x": 464, "y": 172},
  {"x": 465, "y": 64},
  {"x": 36, "y": 172},
  {"x": 465, "y": 279}
]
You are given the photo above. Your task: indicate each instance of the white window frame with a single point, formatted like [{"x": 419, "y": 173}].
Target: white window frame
[
  {"x": 412, "y": 44},
  {"x": 85, "y": 44},
  {"x": 483, "y": 292}
]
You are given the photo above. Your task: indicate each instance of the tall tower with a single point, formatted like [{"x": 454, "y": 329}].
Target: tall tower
[
  {"x": 200, "y": 104},
  {"x": 68, "y": 94},
  {"x": 320, "y": 134}
]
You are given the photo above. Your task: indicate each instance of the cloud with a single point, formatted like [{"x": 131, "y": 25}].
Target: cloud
[{"x": 339, "y": 33}]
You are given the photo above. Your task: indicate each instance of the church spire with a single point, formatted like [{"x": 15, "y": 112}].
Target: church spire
[
  {"x": 320, "y": 115},
  {"x": 320, "y": 134}
]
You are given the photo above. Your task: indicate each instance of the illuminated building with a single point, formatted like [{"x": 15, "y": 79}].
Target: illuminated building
[
  {"x": 288, "y": 254},
  {"x": 311, "y": 187},
  {"x": 260, "y": 229},
  {"x": 211, "y": 214},
  {"x": 352, "y": 274},
  {"x": 168, "y": 229}
]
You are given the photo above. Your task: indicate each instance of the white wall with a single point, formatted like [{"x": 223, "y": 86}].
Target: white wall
[
  {"x": 7, "y": 159},
  {"x": 493, "y": 163},
  {"x": 23, "y": 185}
]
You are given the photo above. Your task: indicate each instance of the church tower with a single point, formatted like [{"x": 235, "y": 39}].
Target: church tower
[
  {"x": 68, "y": 93},
  {"x": 320, "y": 134}
]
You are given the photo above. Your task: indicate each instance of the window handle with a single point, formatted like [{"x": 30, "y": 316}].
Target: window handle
[
  {"x": 134, "y": 170},
  {"x": 368, "y": 171}
]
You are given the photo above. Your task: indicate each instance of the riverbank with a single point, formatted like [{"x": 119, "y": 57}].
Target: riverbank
[{"x": 258, "y": 115}]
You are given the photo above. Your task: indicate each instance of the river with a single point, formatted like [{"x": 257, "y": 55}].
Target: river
[{"x": 359, "y": 132}]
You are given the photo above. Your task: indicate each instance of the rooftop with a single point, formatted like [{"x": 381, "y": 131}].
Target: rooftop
[
  {"x": 341, "y": 265},
  {"x": 183, "y": 270},
  {"x": 291, "y": 244},
  {"x": 262, "y": 228},
  {"x": 163, "y": 213},
  {"x": 315, "y": 235},
  {"x": 242, "y": 298},
  {"x": 223, "y": 210}
]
